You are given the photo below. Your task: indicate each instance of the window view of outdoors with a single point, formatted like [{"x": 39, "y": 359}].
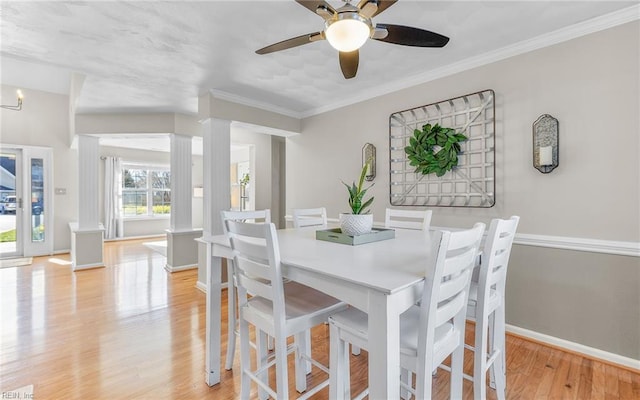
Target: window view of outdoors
[
  {"x": 7, "y": 203},
  {"x": 146, "y": 192},
  {"x": 37, "y": 200}
]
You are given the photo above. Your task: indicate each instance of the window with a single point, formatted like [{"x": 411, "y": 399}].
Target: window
[{"x": 146, "y": 191}]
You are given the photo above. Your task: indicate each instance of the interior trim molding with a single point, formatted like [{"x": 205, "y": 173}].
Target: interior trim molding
[
  {"x": 179, "y": 268},
  {"x": 586, "y": 351},
  {"x": 219, "y": 94},
  {"x": 549, "y": 39},
  {"x": 580, "y": 244},
  {"x": 612, "y": 247},
  {"x": 593, "y": 25},
  {"x": 203, "y": 286}
]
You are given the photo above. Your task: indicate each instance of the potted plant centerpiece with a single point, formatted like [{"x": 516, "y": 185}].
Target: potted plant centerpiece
[{"x": 359, "y": 221}]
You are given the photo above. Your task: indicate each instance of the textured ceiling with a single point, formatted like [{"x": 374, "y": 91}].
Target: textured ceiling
[{"x": 147, "y": 56}]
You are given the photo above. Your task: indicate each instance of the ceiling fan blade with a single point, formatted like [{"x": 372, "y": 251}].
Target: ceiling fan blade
[
  {"x": 381, "y": 6},
  {"x": 349, "y": 63},
  {"x": 408, "y": 36},
  {"x": 293, "y": 42},
  {"x": 312, "y": 5}
]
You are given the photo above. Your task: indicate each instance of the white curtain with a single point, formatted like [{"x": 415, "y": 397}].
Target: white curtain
[{"x": 114, "y": 227}]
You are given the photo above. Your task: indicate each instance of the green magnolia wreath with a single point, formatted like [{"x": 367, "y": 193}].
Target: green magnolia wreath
[{"x": 434, "y": 149}]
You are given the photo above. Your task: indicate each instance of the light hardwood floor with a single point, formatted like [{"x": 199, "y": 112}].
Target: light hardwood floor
[{"x": 132, "y": 330}]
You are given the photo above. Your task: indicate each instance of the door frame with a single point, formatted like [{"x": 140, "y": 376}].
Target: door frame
[
  {"x": 23, "y": 187},
  {"x": 18, "y": 176}
]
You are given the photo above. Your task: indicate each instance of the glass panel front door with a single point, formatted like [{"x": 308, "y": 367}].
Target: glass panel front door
[
  {"x": 10, "y": 203},
  {"x": 37, "y": 200}
]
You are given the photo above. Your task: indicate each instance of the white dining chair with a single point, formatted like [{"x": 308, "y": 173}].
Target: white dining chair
[
  {"x": 274, "y": 308},
  {"x": 232, "y": 320},
  {"x": 486, "y": 307},
  {"x": 429, "y": 332},
  {"x": 408, "y": 219},
  {"x": 309, "y": 217}
]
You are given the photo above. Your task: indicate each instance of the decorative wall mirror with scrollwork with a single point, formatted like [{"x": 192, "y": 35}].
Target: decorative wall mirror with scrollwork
[{"x": 471, "y": 183}]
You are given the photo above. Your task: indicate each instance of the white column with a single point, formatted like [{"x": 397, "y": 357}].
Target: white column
[
  {"x": 87, "y": 234},
  {"x": 182, "y": 249},
  {"x": 216, "y": 149},
  {"x": 217, "y": 166},
  {"x": 181, "y": 186},
  {"x": 88, "y": 182}
]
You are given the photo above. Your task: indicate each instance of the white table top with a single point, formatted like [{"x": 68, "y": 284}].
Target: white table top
[{"x": 386, "y": 266}]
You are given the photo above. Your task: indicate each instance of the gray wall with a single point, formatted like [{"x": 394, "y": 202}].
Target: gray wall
[
  {"x": 44, "y": 121},
  {"x": 591, "y": 84},
  {"x": 588, "y": 298}
]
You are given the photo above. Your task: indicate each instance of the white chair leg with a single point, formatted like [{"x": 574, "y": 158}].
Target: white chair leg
[
  {"x": 500, "y": 365},
  {"x": 301, "y": 342},
  {"x": 423, "y": 380},
  {"x": 457, "y": 360},
  {"x": 501, "y": 382},
  {"x": 355, "y": 350},
  {"x": 245, "y": 360},
  {"x": 405, "y": 376},
  {"x": 501, "y": 334},
  {"x": 261, "y": 359},
  {"x": 282, "y": 380},
  {"x": 491, "y": 345},
  {"x": 480, "y": 359},
  {"x": 307, "y": 350},
  {"x": 339, "y": 378},
  {"x": 232, "y": 320}
]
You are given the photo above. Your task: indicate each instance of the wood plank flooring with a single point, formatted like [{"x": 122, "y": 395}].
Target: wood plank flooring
[{"x": 132, "y": 330}]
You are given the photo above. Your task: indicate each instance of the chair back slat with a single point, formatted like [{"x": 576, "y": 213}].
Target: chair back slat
[
  {"x": 458, "y": 261},
  {"x": 452, "y": 286},
  {"x": 495, "y": 260},
  {"x": 257, "y": 262},
  {"x": 450, "y": 308},
  {"x": 447, "y": 279},
  {"x": 408, "y": 219},
  {"x": 254, "y": 286},
  {"x": 309, "y": 217},
  {"x": 255, "y": 216}
]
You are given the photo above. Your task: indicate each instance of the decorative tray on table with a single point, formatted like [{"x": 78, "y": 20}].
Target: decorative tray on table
[{"x": 335, "y": 235}]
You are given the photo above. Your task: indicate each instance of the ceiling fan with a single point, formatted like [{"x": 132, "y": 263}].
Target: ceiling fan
[{"x": 348, "y": 28}]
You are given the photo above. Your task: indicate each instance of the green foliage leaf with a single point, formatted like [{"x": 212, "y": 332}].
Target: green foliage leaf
[
  {"x": 357, "y": 192},
  {"x": 420, "y": 151}
]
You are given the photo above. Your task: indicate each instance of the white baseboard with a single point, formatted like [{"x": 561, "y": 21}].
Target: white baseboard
[
  {"x": 203, "y": 286},
  {"x": 576, "y": 347},
  {"x": 124, "y": 238},
  {"x": 86, "y": 266},
  {"x": 169, "y": 268}
]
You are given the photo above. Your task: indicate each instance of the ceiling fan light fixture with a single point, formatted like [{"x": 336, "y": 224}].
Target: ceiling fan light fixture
[{"x": 348, "y": 33}]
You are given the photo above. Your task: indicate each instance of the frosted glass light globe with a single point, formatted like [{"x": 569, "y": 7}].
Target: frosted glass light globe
[{"x": 347, "y": 34}]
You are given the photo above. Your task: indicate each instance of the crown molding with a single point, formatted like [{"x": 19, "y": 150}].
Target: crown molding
[
  {"x": 593, "y": 25},
  {"x": 219, "y": 94}
]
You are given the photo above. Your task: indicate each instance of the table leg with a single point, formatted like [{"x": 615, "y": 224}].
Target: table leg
[
  {"x": 213, "y": 325},
  {"x": 384, "y": 348}
]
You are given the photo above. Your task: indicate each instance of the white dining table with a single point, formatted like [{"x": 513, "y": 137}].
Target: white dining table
[{"x": 381, "y": 278}]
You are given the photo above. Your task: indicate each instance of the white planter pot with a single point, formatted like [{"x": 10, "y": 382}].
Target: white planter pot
[{"x": 356, "y": 224}]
